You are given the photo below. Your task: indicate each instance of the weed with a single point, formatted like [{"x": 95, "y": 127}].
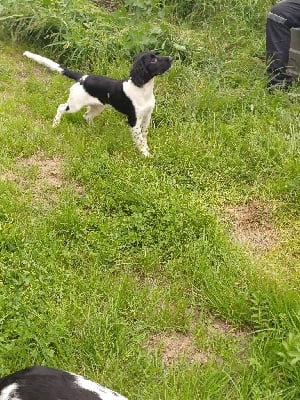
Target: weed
[{"x": 109, "y": 262}]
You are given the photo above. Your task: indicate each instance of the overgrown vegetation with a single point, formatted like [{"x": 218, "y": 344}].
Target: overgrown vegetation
[{"x": 173, "y": 277}]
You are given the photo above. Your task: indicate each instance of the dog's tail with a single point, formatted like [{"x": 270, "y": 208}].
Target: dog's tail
[{"x": 53, "y": 66}]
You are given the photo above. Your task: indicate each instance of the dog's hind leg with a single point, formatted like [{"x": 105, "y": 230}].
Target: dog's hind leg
[
  {"x": 78, "y": 98},
  {"x": 92, "y": 112},
  {"x": 62, "y": 109},
  {"x": 72, "y": 106},
  {"x": 68, "y": 108}
]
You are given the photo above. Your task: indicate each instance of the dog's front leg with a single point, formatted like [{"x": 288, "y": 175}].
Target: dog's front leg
[
  {"x": 145, "y": 125},
  {"x": 139, "y": 140}
]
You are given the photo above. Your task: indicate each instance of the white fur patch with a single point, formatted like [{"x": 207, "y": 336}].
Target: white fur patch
[
  {"x": 101, "y": 391},
  {"x": 83, "y": 78},
  {"x": 79, "y": 98},
  {"x": 52, "y": 65},
  {"x": 142, "y": 98},
  {"x": 9, "y": 392}
]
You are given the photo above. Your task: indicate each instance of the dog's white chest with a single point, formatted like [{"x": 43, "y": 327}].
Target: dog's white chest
[{"x": 142, "y": 98}]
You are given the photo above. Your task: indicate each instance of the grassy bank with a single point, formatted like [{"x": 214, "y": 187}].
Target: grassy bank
[{"x": 163, "y": 278}]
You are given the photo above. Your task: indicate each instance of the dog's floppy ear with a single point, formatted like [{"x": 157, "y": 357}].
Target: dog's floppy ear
[{"x": 139, "y": 72}]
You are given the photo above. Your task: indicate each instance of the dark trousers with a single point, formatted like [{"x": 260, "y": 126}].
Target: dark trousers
[{"x": 282, "y": 17}]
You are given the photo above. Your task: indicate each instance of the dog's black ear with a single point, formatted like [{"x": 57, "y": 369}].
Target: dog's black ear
[{"x": 139, "y": 72}]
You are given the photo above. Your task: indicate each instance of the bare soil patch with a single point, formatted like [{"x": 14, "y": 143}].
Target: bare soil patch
[
  {"x": 49, "y": 170},
  {"x": 176, "y": 346},
  {"x": 225, "y": 328},
  {"x": 252, "y": 224},
  {"x": 42, "y": 176}
]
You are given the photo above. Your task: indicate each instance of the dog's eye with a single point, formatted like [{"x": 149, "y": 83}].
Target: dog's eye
[{"x": 154, "y": 60}]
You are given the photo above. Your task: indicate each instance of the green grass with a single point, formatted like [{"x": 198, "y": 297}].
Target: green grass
[{"x": 125, "y": 269}]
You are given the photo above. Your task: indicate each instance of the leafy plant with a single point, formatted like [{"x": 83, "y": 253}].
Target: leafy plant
[
  {"x": 145, "y": 8},
  {"x": 290, "y": 354},
  {"x": 82, "y": 34},
  {"x": 120, "y": 255}
]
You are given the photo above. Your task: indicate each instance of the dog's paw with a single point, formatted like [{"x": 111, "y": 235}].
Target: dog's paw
[
  {"x": 88, "y": 118},
  {"x": 145, "y": 152}
]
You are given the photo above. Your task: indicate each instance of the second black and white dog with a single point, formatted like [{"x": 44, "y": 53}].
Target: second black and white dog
[
  {"x": 133, "y": 97},
  {"x": 44, "y": 383}
]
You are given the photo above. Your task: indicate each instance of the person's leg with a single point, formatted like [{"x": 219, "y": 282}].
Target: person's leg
[{"x": 282, "y": 17}]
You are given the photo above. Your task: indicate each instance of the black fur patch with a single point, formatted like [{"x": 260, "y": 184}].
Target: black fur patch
[{"x": 44, "y": 383}]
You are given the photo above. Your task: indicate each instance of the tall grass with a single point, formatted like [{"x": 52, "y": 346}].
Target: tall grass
[
  {"x": 90, "y": 276},
  {"x": 201, "y": 11},
  {"x": 82, "y": 31},
  {"x": 82, "y": 34}
]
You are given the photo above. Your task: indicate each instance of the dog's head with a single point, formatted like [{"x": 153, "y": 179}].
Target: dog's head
[{"x": 147, "y": 65}]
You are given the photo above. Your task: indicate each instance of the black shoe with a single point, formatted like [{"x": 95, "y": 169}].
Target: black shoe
[
  {"x": 282, "y": 86},
  {"x": 281, "y": 82}
]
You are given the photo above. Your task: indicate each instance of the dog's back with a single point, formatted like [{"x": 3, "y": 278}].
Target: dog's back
[{"x": 44, "y": 383}]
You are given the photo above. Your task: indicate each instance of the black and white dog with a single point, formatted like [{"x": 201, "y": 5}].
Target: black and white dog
[
  {"x": 44, "y": 383},
  {"x": 133, "y": 97}
]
